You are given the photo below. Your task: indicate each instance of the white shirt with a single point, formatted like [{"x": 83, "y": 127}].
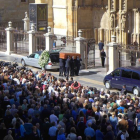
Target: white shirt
[
  {"x": 118, "y": 102},
  {"x": 23, "y": 81},
  {"x": 50, "y": 89},
  {"x": 17, "y": 81},
  {"x": 123, "y": 136},
  {"x": 53, "y": 118}
]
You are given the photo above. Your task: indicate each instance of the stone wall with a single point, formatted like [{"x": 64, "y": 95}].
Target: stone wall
[
  {"x": 13, "y": 10},
  {"x": 97, "y": 18}
]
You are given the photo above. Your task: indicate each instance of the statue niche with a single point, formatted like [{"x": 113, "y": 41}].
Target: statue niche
[
  {"x": 123, "y": 22},
  {"x": 112, "y": 21}
]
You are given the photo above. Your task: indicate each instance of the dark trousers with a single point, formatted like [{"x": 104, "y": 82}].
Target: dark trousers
[
  {"x": 72, "y": 72},
  {"x": 61, "y": 70},
  {"x": 67, "y": 71},
  {"x": 77, "y": 70},
  {"x": 103, "y": 61}
]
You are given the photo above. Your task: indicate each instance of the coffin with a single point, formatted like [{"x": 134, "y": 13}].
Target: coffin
[{"x": 65, "y": 55}]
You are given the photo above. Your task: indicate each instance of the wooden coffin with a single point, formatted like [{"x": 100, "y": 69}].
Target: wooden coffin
[{"x": 65, "y": 55}]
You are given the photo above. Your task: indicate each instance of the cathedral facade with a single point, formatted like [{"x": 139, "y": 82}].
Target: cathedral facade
[{"x": 98, "y": 19}]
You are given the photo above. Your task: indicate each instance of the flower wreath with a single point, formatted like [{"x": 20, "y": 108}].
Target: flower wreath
[{"x": 44, "y": 58}]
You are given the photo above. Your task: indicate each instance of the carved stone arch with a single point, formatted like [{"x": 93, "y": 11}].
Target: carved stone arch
[{"x": 105, "y": 21}]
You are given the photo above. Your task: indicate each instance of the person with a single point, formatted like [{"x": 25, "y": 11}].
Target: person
[
  {"x": 9, "y": 136},
  {"x": 114, "y": 120},
  {"x": 124, "y": 90},
  {"x": 61, "y": 64},
  {"x": 78, "y": 64},
  {"x": 99, "y": 134},
  {"x": 103, "y": 55},
  {"x": 109, "y": 135},
  {"x": 67, "y": 66},
  {"x": 52, "y": 131},
  {"x": 122, "y": 135},
  {"x": 89, "y": 131},
  {"x": 101, "y": 46},
  {"x": 72, "y": 135},
  {"x": 61, "y": 134},
  {"x": 72, "y": 66}
]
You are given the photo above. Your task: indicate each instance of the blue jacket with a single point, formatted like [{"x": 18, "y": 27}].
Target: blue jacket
[
  {"x": 99, "y": 135},
  {"x": 61, "y": 137},
  {"x": 28, "y": 128},
  {"x": 89, "y": 132},
  {"x": 101, "y": 45}
]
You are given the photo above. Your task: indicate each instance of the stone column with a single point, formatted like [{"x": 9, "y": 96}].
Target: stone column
[
  {"x": 31, "y": 33},
  {"x": 26, "y": 24},
  {"x": 135, "y": 10},
  {"x": 96, "y": 35},
  {"x": 81, "y": 48},
  {"x": 113, "y": 55},
  {"x": 49, "y": 37},
  {"x": 102, "y": 34},
  {"x": 10, "y": 38}
]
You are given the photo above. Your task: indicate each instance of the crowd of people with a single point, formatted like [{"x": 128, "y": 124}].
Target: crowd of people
[{"x": 39, "y": 106}]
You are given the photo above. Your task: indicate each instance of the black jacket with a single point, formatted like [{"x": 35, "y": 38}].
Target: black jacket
[{"x": 103, "y": 54}]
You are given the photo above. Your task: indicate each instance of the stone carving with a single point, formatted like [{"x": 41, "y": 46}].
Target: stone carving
[
  {"x": 123, "y": 21},
  {"x": 26, "y": 14},
  {"x": 112, "y": 4},
  {"x": 123, "y": 4},
  {"x": 112, "y": 21}
]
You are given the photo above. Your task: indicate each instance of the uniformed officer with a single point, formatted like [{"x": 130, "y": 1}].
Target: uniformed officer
[
  {"x": 103, "y": 55},
  {"x": 78, "y": 64},
  {"x": 67, "y": 66},
  {"x": 61, "y": 64},
  {"x": 72, "y": 66}
]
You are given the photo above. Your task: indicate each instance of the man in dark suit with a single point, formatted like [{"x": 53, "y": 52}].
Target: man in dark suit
[
  {"x": 103, "y": 55},
  {"x": 78, "y": 64},
  {"x": 61, "y": 64},
  {"x": 67, "y": 66},
  {"x": 101, "y": 46},
  {"x": 72, "y": 66}
]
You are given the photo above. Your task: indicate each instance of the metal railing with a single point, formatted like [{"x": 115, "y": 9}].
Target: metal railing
[
  {"x": 21, "y": 45},
  {"x": 3, "y": 41},
  {"x": 39, "y": 42}
]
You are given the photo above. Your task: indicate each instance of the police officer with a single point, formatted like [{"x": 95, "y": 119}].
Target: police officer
[
  {"x": 78, "y": 64},
  {"x": 72, "y": 66},
  {"x": 61, "y": 64},
  {"x": 67, "y": 66},
  {"x": 103, "y": 55}
]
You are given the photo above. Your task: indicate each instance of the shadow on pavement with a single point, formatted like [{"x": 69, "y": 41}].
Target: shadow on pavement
[{"x": 88, "y": 73}]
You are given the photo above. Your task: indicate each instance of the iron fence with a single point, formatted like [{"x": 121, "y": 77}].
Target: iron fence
[
  {"x": 128, "y": 55},
  {"x": 39, "y": 42},
  {"x": 21, "y": 44},
  {"x": 89, "y": 53},
  {"x": 3, "y": 41}
]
